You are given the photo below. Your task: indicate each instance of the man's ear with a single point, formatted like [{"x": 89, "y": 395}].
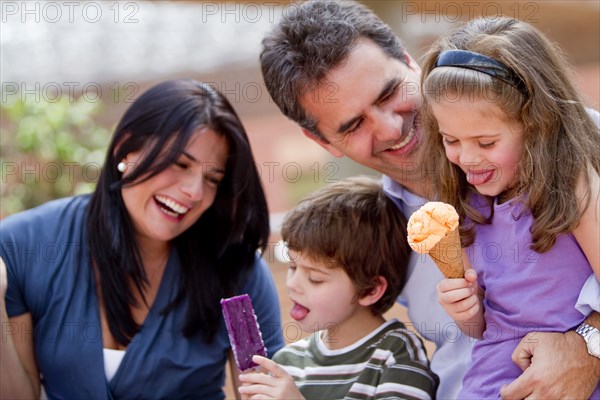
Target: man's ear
[
  {"x": 323, "y": 143},
  {"x": 375, "y": 293},
  {"x": 411, "y": 63}
]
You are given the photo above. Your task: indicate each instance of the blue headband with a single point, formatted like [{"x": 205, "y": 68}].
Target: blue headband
[{"x": 479, "y": 62}]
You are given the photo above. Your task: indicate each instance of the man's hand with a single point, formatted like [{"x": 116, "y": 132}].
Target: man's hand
[
  {"x": 555, "y": 365},
  {"x": 278, "y": 384}
]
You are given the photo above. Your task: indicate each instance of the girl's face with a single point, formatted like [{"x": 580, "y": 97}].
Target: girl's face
[
  {"x": 479, "y": 139},
  {"x": 323, "y": 297},
  {"x": 167, "y": 204}
]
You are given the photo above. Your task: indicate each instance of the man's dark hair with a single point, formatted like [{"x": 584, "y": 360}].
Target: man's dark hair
[{"x": 312, "y": 39}]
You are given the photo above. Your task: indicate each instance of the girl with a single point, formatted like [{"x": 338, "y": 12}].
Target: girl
[
  {"x": 512, "y": 147},
  {"x": 116, "y": 295}
]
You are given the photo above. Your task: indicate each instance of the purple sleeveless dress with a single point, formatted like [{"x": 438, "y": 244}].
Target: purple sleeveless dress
[{"x": 525, "y": 292}]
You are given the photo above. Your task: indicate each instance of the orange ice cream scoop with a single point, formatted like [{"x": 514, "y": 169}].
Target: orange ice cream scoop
[
  {"x": 429, "y": 224},
  {"x": 433, "y": 230}
]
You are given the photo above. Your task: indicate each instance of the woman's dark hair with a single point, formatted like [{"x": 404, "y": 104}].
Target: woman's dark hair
[{"x": 219, "y": 249}]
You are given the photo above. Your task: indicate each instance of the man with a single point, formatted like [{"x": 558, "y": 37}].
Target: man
[{"x": 345, "y": 78}]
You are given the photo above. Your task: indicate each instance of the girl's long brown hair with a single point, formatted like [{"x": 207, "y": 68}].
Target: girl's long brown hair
[{"x": 561, "y": 142}]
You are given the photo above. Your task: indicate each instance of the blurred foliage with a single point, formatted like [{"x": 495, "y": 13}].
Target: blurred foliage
[{"x": 48, "y": 150}]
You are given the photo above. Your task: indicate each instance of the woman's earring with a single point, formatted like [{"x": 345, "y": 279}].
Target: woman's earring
[{"x": 121, "y": 167}]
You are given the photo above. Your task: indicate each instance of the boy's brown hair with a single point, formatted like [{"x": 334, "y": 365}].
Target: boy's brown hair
[{"x": 352, "y": 224}]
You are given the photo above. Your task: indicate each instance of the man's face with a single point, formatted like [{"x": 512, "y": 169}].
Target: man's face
[{"x": 367, "y": 110}]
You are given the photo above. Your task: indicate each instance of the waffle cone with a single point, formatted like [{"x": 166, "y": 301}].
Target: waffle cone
[{"x": 447, "y": 255}]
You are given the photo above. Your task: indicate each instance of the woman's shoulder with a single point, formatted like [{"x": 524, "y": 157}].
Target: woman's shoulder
[
  {"x": 61, "y": 220},
  {"x": 54, "y": 211},
  {"x": 258, "y": 277},
  {"x": 36, "y": 245}
]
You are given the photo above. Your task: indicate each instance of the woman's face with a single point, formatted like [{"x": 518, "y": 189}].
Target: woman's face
[{"x": 167, "y": 204}]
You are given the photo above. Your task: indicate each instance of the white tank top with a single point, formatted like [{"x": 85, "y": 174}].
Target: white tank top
[{"x": 112, "y": 360}]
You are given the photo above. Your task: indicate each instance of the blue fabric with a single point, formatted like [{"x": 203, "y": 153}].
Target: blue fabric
[{"x": 50, "y": 277}]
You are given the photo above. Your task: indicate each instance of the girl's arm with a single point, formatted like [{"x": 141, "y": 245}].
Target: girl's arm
[
  {"x": 20, "y": 376},
  {"x": 587, "y": 232},
  {"x": 463, "y": 300}
]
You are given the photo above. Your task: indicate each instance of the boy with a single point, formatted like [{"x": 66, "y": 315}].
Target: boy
[{"x": 344, "y": 273}]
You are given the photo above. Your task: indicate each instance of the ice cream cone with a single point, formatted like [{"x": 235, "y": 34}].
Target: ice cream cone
[
  {"x": 433, "y": 230},
  {"x": 447, "y": 255}
]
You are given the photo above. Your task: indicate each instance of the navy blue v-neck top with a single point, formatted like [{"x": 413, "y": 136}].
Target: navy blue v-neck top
[{"x": 49, "y": 276}]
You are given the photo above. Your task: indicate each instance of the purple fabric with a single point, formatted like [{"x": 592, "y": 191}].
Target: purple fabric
[{"x": 525, "y": 292}]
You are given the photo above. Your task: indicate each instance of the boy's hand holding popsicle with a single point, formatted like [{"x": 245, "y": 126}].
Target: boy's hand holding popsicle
[
  {"x": 275, "y": 384},
  {"x": 249, "y": 351}
]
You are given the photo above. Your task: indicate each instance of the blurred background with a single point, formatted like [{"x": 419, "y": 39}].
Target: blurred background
[{"x": 70, "y": 69}]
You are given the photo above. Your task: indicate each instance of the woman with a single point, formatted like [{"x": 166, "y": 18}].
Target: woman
[{"x": 116, "y": 294}]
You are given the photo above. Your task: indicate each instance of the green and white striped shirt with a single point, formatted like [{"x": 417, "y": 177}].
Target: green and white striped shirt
[{"x": 389, "y": 363}]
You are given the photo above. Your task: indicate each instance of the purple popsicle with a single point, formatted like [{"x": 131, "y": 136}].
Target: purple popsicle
[{"x": 243, "y": 329}]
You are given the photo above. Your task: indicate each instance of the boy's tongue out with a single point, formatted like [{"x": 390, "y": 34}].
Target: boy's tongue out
[{"x": 298, "y": 312}]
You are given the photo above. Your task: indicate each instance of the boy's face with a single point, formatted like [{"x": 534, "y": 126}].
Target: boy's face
[
  {"x": 367, "y": 109},
  {"x": 323, "y": 297}
]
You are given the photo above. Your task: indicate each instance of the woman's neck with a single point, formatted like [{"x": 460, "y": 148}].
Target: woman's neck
[{"x": 154, "y": 254}]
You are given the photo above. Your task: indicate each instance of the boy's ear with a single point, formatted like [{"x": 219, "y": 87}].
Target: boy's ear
[
  {"x": 375, "y": 293},
  {"x": 323, "y": 143}
]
